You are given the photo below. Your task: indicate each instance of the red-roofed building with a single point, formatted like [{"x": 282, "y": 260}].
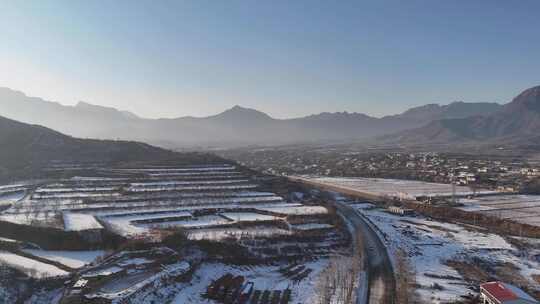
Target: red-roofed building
[{"x": 502, "y": 293}]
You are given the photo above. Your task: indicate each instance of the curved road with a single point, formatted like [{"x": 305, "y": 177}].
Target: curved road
[{"x": 381, "y": 282}]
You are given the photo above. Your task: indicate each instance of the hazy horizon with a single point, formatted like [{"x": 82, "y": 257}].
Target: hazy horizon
[
  {"x": 287, "y": 60},
  {"x": 230, "y": 107}
]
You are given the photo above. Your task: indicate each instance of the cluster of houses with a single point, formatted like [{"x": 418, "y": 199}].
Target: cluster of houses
[{"x": 427, "y": 166}]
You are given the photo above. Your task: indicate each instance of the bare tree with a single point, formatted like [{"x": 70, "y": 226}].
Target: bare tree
[
  {"x": 338, "y": 282},
  {"x": 405, "y": 279}
]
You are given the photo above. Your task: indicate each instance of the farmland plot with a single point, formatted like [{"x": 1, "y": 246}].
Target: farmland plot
[
  {"x": 153, "y": 198},
  {"x": 80, "y": 222},
  {"x": 217, "y": 234},
  {"x": 31, "y": 267},
  {"x": 393, "y": 187},
  {"x": 519, "y": 208},
  {"x": 72, "y": 259}
]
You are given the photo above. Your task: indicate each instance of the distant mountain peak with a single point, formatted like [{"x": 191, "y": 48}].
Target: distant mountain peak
[
  {"x": 516, "y": 122},
  {"x": 82, "y": 104},
  {"x": 528, "y": 100},
  {"x": 89, "y": 106},
  {"x": 239, "y": 112},
  {"x": 456, "y": 109},
  {"x": 110, "y": 110},
  {"x": 338, "y": 115},
  {"x": 238, "y": 108}
]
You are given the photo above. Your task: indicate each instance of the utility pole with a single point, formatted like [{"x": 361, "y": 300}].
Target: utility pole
[
  {"x": 453, "y": 181},
  {"x": 454, "y": 193}
]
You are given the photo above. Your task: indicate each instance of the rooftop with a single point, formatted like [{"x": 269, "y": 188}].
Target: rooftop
[{"x": 506, "y": 293}]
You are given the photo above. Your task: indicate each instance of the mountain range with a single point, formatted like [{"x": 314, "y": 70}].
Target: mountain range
[
  {"x": 237, "y": 126},
  {"x": 515, "y": 123}
]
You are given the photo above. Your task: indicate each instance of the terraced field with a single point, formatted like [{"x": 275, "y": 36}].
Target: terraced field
[
  {"x": 138, "y": 202},
  {"x": 217, "y": 203}
]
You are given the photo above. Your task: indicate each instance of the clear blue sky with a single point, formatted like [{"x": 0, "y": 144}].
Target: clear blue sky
[{"x": 287, "y": 58}]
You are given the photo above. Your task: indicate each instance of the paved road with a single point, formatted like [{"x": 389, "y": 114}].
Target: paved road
[{"x": 381, "y": 283}]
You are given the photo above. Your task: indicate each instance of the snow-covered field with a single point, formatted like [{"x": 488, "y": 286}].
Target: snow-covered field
[
  {"x": 73, "y": 195},
  {"x": 75, "y": 189},
  {"x": 248, "y": 216},
  {"x": 223, "y": 233},
  {"x": 72, "y": 259},
  {"x": 79, "y": 205},
  {"x": 11, "y": 197},
  {"x": 193, "y": 174},
  {"x": 312, "y": 226},
  {"x": 393, "y": 187},
  {"x": 520, "y": 208},
  {"x": 187, "y": 169},
  {"x": 429, "y": 244},
  {"x": 80, "y": 221},
  {"x": 201, "y": 221},
  {"x": 295, "y": 210},
  {"x": 263, "y": 277},
  {"x": 210, "y": 202},
  {"x": 194, "y": 188},
  {"x": 31, "y": 267},
  {"x": 121, "y": 289},
  {"x": 132, "y": 202},
  {"x": 176, "y": 183}
]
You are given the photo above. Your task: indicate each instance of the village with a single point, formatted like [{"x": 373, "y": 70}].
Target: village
[{"x": 505, "y": 174}]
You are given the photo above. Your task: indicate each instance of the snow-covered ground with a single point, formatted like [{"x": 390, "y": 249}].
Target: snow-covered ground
[
  {"x": 27, "y": 218},
  {"x": 394, "y": 187},
  {"x": 31, "y": 267},
  {"x": 312, "y": 226},
  {"x": 75, "y": 189},
  {"x": 11, "y": 197},
  {"x": 194, "y": 187},
  {"x": 263, "y": 277},
  {"x": 2, "y": 239},
  {"x": 126, "y": 227},
  {"x": 73, "y": 195},
  {"x": 295, "y": 210},
  {"x": 134, "y": 201},
  {"x": 223, "y": 233},
  {"x": 192, "y": 174},
  {"x": 177, "y": 183},
  {"x": 55, "y": 205},
  {"x": 201, "y": 221},
  {"x": 80, "y": 221},
  {"x": 12, "y": 186},
  {"x": 520, "y": 208},
  {"x": 429, "y": 244},
  {"x": 187, "y": 169},
  {"x": 72, "y": 259},
  {"x": 248, "y": 216},
  {"x": 116, "y": 291}
]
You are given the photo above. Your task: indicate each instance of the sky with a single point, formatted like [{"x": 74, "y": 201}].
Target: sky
[{"x": 286, "y": 58}]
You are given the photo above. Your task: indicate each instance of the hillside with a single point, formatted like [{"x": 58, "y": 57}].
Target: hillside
[
  {"x": 517, "y": 122},
  {"x": 28, "y": 148},
  {"x": 237, "y": 126}
]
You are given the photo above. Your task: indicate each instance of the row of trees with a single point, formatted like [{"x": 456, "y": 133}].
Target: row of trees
[
  {"x": 405, "y": 279},
  {"x": 338, "y": 282}
]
